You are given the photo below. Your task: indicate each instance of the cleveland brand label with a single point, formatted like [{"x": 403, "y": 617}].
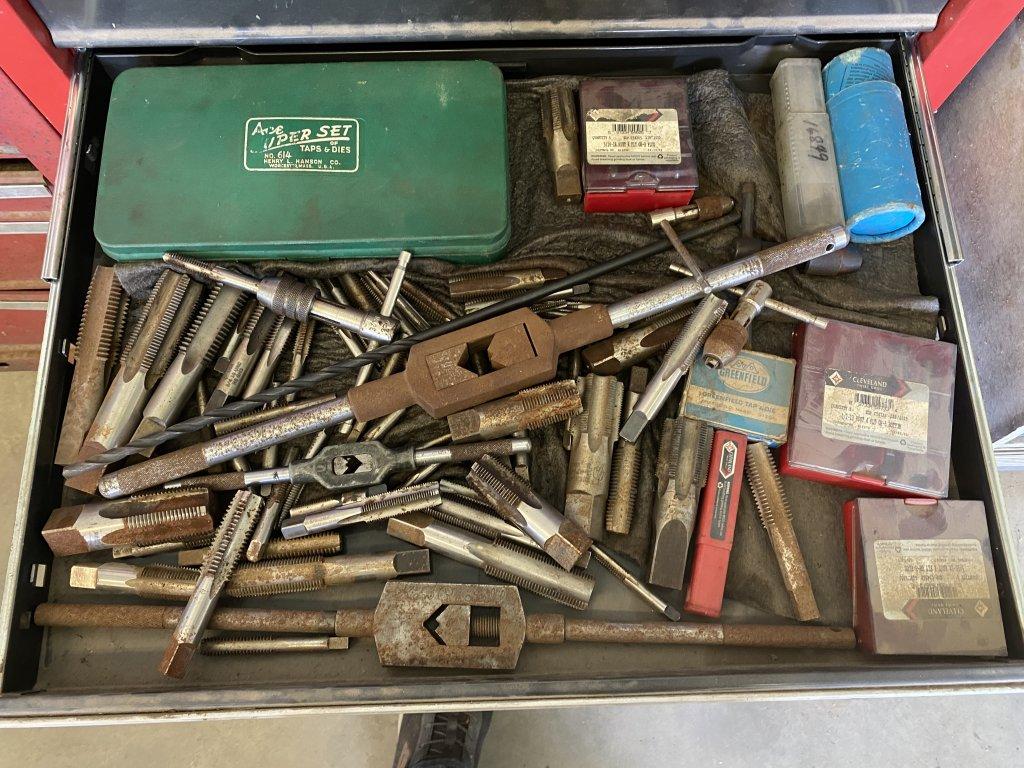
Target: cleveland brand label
[
  {"x": 643, "y": 136},
  {"x": 881, "y": 411},
  {"x": 932, "y": 579},
  {"x": 318, "y": 144},
  {"x": 724, "y": 489}
]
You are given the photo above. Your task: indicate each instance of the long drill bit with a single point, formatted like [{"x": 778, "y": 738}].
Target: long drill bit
[
  {"x": 227, "y": 547},
  {"x": 773, "y": 509}
]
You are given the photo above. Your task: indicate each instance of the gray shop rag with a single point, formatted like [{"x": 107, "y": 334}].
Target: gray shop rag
[{"x": 733, "y": 133}]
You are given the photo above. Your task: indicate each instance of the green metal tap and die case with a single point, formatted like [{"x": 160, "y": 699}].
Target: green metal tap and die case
[{"x": 306, "y": 161}]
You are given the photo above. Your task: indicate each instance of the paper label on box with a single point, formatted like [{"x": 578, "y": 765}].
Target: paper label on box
[
  {"x": 317, "y": 144},
  {"x": 639, "y": 136},
  {"x": 880, "y": 411},
  {"x": 922, "y": 579}
]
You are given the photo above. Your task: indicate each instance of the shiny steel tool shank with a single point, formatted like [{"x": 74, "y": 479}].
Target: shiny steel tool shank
[{"x": 289, "y": 297}]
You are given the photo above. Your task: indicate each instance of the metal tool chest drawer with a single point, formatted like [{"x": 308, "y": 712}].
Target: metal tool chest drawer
[{"x": 96, "y": 675}]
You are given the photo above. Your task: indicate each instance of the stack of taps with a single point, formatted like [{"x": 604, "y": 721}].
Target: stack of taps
[{"x": 486, "y": 360}]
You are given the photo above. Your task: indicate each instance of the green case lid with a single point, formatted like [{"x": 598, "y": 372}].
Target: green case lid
[{"x": 306, "y": 161}]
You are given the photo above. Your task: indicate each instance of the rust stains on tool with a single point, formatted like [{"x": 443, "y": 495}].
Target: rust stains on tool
[
  {"x": 532, "y": 408},
  {"x": 103, "y": 316},
  {"x": 516, "y": 502},
  {"x": 773, "y": 508},
  {"x": 153, "y": 518},
  {"x": 590, "y": 460},
  {"x": 429, "y": 625}
]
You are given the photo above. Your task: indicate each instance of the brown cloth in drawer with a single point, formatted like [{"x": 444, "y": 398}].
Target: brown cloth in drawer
[{"x": 734, "y": 137}]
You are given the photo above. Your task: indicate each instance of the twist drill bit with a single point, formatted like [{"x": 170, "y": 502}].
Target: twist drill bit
[
  {"x": 277, "y": 549},
  {"x": 259, "y": 324},
  {"x": 801, "y": 315},
  {"x": 370, "y": 510},
  {"x": 517, "y": 503},
  {"x": 773, "y": 509},
  {"x": 701, "y": 209},
  {"x": 677, "y": 362},
  {"x": 492, "y": 283},
  {"x": 351, "y": 465},
  {"x": 228, "y": 543},
  {"x": 634, "y": 584},
  {"x": 121, "y": 409},
  {"x": 625, "y": 477},
  {"x": 558, "y": 119},
  {"x": 106, "y": 307},
  {"x": 530, "y": 409},
  {"x": 153, "y": 518},
  {"x": 682, "y": 472},
  {"x": 289, "y": 297},
  {"x": 636, "y": 344},
  {"x": 499, "y": 559},
  {"x": 590, "y": 461},
  {"x": 263, "y": 644},
  {"x": 732, "y": 333},
  {"x": 274, "y": 577},
  {"x": 273, "y": 350},
  {"x": 522, "y": 349},
  {"x": 198, "y": 348}
]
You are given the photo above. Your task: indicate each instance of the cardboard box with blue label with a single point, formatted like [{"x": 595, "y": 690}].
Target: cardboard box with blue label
[{"x": 751, "y": 395}]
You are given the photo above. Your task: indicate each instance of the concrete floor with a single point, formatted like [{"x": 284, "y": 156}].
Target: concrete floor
[{"x": 985, "y": 167}]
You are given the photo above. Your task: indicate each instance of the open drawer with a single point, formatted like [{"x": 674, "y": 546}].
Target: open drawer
[{"x": 93, "y": 674}]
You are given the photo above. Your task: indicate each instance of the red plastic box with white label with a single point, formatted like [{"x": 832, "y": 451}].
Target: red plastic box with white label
[
  {"x": 637, "y": 147},
  {"x": 872, "y": 410},
  {"x": 922, "y": 576},
  {"x": 716, "y": 524}
]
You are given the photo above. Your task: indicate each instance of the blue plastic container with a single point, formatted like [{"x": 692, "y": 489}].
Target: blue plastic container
[
  {"x": 861, "y": 65},
  {"x": 877, "y": 175}
]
